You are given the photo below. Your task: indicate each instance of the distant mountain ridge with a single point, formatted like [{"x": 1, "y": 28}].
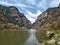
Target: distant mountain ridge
[{"x": 12, "y": 15}]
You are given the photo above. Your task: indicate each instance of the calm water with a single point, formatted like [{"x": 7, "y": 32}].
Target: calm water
[
  {"x": 32, "y": 40},
  {"x": 22, "y": 37}
]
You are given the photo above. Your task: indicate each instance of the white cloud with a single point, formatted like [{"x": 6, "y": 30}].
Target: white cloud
[
  {"x": 23, "y": 5},
  {"x": 42, "y": 4},
  {"x": 31, "y": 19},
  {"x": 30, "y": 15},
  {"x": 31, "y": 2},
  {"x": 54, "y": 3},
  {"x": 16, "y": 4},
  {"x": 7, "y": 4}
]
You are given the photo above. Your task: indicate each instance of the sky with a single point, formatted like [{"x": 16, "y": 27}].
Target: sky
[{"x": 31, "y": 8}]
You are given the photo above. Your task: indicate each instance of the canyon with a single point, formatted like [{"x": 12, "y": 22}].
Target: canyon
[{"x": 12, "y": 15}]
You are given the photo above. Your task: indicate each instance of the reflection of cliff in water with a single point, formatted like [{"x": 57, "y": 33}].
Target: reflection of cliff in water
[{"x": 32, "y": 40}]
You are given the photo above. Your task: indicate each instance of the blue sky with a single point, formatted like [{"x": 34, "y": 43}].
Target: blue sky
[{"x": 31, "y": 8}]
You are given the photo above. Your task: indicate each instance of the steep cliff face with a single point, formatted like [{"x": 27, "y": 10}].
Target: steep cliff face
[
  {"x": 19, "y": 17},
  {"x": 2, "y": 14},
  {"x": 24, "y": 20},
  {"x": 49, "y": 16},
  {"x": 12, "y": 15}
]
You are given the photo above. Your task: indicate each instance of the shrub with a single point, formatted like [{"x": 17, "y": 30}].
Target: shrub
[
  {"x": 2, "y": 26},
  {"x": 54, "y": 25}
]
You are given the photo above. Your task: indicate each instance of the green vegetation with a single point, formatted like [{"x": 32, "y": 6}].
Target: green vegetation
[
  {"x": 56, "y": 36},
  {"x": 10, "y": 26},
  {"x": 11, "y": 20},
  {"x": 47, "y": 39},
  {"x": 53, "y": 28}
]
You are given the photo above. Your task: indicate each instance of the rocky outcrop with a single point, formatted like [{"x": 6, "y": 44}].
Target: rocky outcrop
[
  {"x": 49, "y": 16},
  {"x": 25, "y": 21},
  {"x": 13, "y": 16},
  {"x": 2, "y": 14}
]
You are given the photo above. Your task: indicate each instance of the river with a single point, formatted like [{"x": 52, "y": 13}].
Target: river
[
  {"x": 22, "y": 37},
  {"x": 32, "y": 40}
]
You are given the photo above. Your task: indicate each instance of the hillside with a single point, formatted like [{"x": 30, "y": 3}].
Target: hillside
[
  {"x": 12, "y": 15},
  {"x": 49, "y": 18}
]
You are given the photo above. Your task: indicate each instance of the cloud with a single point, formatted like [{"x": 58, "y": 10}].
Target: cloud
[
  {"x": 54, "y": 3},
  {"x": 31, "y": 2},
  {"x": 32, "y": 16},
  {"x": 1, "y": 2},
  {"x": 23, "y": 5},
  {"x": 31, "y": 19},
  {"x": 16, "y": 4},
  {"x": 42, "y": 4}
]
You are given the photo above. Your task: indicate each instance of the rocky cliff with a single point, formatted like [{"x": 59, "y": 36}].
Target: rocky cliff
[
  {"x": 12, "y": 15},
  {"x": 51, "y": 15},
  {"x": 2, "y": 14}
]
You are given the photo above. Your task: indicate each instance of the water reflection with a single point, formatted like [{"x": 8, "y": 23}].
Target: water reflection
[
  {"x": 41, "y": 35},
  {"x": 32, "y": 40},
  {"x": 21, "y": 37}
]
